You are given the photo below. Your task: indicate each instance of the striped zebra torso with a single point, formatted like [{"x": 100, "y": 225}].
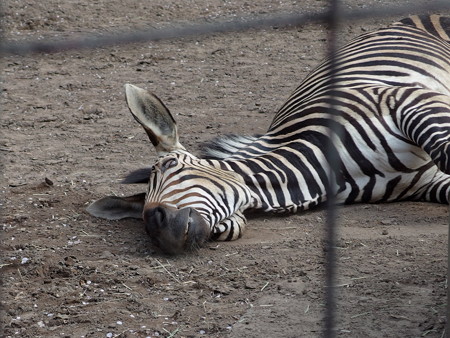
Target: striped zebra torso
[
  {"x": 388, "y": 95},
  {"x": 382, "y": 82}
]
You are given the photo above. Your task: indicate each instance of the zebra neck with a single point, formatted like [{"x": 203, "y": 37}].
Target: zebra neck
[{"x": 276, "y": 189}]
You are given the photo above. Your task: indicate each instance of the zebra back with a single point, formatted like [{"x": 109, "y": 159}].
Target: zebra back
[
  {"x": 402, "y": 54},
  {"x": 436, "y": 25},
  {"x": 231, "y": 146}
]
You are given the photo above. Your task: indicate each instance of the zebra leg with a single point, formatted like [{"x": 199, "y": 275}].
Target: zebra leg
[
  {"x": 438, "y": 190},
  {"x": 424, "y": 118},
  {"x": 230, "y": 228}
]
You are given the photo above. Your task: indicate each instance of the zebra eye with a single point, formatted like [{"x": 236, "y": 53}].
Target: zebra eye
[{"x": 169, "y": 163}]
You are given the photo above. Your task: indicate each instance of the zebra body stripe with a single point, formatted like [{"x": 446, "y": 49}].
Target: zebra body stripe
[{"x": 389, "y": 93}]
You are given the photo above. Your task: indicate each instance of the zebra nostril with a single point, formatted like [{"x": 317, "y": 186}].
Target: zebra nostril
[
  {"x": 156, "y": 218},
  {"x": 159, "y": 215}
]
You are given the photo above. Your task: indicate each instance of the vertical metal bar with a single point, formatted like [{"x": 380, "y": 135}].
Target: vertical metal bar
[{"x": 333, "y": 159}]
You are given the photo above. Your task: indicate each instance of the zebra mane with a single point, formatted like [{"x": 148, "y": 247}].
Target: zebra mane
[{"x": 225, "y": 146}]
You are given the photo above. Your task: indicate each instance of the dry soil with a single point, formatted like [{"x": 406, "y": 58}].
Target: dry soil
[{"x": 67, "y": 139}]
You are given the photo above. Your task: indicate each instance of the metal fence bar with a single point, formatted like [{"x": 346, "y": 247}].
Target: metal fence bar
[
  {"x": 208, "y": 28},
  {"x": 334, "y": 130}
]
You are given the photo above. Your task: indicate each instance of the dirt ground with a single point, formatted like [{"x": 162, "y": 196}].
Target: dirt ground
[{"x": 67, "y": 139}]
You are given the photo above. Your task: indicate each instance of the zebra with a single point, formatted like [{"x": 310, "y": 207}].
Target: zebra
[{"x": 390, "y": 94}]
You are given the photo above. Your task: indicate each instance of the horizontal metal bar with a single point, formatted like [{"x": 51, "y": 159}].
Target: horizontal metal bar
[{"x": 91, "y": 41}]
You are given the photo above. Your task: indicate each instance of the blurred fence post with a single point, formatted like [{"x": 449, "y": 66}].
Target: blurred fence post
[{"x": 334, "y": 129}]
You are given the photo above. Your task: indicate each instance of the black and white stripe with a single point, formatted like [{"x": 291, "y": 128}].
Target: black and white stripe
[{"x": 391, "y": 95}]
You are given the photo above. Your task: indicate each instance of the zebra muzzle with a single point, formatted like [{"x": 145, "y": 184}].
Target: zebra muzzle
[{"x": 174, "y": 230}]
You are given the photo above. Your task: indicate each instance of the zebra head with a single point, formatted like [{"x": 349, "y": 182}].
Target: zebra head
[{"x": 189, "y": 200}]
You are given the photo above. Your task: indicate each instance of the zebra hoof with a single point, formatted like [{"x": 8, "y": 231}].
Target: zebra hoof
[{"x": 173, "y": 230}]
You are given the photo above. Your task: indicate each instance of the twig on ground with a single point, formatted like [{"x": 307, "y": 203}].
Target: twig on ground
[
  {"x": 170, "y": 274},
  {"x": 307, "y": 308},
  {"x": 20, "y": 274},
  {"x": 357, "y": 278},
  {"x": 127, "y": 287},
  {"x": 265, "y": 285},
  {"x": 172, "y": 334},
  {"x": 361, "y": 314},
  {"x": 231, "y": 254}
]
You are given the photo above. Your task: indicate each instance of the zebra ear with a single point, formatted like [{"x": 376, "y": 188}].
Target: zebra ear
[
  {"x": 156, "y": 119},
  {"x": 113, "y": 207}
]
